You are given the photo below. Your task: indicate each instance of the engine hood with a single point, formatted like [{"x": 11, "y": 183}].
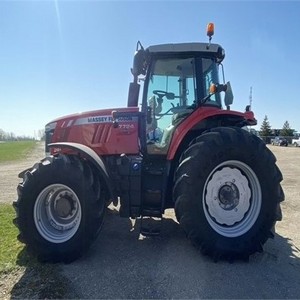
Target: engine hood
[{"x": 90, "y": 117}]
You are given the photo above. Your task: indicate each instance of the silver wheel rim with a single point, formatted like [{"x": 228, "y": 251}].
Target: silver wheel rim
[
  {"x": 57, "y": 213},
  {"x": 232, "y": 198}
]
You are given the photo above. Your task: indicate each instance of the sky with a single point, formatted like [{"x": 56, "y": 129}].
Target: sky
[{"x": 62, "y": 57}]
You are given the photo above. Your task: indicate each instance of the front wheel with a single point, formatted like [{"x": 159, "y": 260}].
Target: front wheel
[
  {"x": 60, "y": 208},
  {"x": 227, "y": 193}
]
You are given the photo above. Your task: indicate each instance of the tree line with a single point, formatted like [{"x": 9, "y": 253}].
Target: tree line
[
  {"x": 10, "y": 136},
  {"x": 266, "y": 131}
]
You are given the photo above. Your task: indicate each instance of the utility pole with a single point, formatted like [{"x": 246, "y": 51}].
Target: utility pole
[{"x": 250, "y": 98}]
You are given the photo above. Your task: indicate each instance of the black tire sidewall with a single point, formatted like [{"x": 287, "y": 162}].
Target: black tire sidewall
[
  {"x": 209, "y": 156},
  {"x": 70, "y": 176}
]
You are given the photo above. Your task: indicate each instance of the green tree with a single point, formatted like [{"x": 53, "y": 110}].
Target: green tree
[
  {"x": 286, "y": 130},
  {"x": 265, "y": 128}
]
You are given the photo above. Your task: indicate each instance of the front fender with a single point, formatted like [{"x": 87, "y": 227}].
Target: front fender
[{"x": 93, "y": 157}]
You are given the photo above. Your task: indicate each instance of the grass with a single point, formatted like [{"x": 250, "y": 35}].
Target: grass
[
  {"x": 38, "y": 281},
  {"x": 11, "y": 151},
  {"x": 21, "y": 275},
  {"x": 10, "y": 247}
]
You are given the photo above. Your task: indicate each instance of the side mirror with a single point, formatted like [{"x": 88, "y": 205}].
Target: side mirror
[
  {"x": 139, "y": 63},
  {"x": 228, "y": 100},
  {"x": 133, "y": 94}
]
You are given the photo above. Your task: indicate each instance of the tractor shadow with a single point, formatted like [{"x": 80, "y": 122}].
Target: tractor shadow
[
  {"x": 40, "y": 280},
  {"x": 123, "y": 264}
]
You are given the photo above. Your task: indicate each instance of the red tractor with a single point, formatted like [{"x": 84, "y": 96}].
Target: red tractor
[{"x": 181, "y": 149}]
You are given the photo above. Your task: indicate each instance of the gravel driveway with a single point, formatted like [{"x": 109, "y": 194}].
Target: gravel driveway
[
  {"x": 122, "y": 265},
  {"x": 9, "y": 173}
]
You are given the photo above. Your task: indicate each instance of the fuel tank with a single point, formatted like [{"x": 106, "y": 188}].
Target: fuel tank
[{"x": 96, "y": 130}]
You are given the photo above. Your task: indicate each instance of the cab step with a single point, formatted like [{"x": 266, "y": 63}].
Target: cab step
[{"x": 151, "y": 226}]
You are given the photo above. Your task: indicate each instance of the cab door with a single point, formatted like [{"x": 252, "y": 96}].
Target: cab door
[{"x": 169, "y": 93}]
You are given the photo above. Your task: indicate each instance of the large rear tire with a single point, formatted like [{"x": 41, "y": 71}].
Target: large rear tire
[
  {"x": 60, "y": 208},
  {"x": 227, "y": 193}
]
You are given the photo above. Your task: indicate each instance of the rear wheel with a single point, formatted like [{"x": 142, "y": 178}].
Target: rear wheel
[
  {"x": 227, "y": 193},
  {"x": 60, "y": 208}
]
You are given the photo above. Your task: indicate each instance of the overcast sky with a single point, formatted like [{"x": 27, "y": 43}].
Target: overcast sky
[{"x": 62, "y": 57}]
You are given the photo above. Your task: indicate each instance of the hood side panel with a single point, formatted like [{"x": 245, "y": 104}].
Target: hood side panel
[{"x": 96, "y": 130}]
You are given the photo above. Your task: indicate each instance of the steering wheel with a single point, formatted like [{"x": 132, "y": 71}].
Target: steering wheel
[{"x": 160, "y": 93}]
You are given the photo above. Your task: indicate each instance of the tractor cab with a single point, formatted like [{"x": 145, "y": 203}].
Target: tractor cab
[{"x": 177, "y": 80}]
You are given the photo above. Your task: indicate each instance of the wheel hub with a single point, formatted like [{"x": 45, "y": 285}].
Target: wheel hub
[
  {"x": 64, "y": 206},
  {"x": 228, "y": 196},
  {"x": 57, "y": 213}
]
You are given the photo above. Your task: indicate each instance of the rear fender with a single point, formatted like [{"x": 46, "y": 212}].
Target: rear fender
[
  {"x": 93, "y": 157},
  {"x": 207, "y": 118}
]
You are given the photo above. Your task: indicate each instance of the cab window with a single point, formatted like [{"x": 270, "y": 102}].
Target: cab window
[
  {"x": 210, "y": 76},
  {"x": 171, "y": 90}
]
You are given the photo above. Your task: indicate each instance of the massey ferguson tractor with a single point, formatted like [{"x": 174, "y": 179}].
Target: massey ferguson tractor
[{"x": 177, "y": 145}]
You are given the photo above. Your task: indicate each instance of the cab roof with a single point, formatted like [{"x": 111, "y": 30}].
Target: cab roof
[{"x": 187, "y": 47}]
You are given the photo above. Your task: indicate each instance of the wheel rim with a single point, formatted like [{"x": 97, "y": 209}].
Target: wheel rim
[
  {"x": 57, "y": 213},
  {"x": 232, "y": 198}
]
